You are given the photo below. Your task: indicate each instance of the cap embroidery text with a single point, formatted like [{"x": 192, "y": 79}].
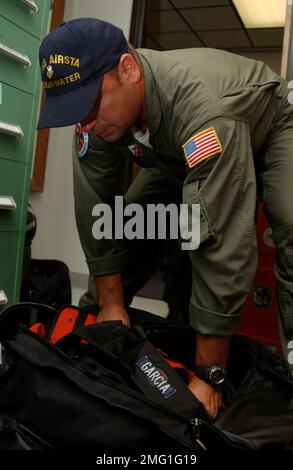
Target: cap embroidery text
[
  {"x": 62, "y": 81},
  {"x": 64, "y": 59}
]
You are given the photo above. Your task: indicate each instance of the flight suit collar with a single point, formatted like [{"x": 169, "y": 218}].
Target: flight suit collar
[{"x": 153, "y": 107}]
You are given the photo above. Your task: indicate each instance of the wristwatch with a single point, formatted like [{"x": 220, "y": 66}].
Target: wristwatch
[{"x": 214, "y": 375}]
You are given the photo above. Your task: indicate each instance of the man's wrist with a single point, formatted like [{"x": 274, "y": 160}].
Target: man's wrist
[{"x": 110, "y": 292}]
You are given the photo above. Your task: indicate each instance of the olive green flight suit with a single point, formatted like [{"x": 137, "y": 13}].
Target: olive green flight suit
[{"x": 245, "y": 104}]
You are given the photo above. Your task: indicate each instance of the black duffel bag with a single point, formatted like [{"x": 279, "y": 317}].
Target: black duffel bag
[
  {"x": 258, "y": 393},
  {"x": 15, "y": 436},
  {"x": 106, "y": 387},
  {"x": 91, "y": 395},
  {"x": 47, "y": 282}
]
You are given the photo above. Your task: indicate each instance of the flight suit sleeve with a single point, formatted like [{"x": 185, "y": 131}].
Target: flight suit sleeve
[
  {"x": 224, "y": 264},
  {"x": 96, "y": 178}
]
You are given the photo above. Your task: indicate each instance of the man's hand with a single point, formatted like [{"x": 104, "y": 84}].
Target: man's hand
[
  {"x": 209, "y": 396},
  {"x": 210, "y": 349},
  {"x": 113, "y": 313}
]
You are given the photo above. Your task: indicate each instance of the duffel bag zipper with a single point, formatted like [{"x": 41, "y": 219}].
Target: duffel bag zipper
[{"x": 195, "y": 427}]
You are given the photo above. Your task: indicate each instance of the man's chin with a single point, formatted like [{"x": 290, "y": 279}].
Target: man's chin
[{"x": 113, "y": 136}]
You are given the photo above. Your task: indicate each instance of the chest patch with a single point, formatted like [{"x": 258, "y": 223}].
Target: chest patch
[
  {"x": 201, "y": 146},
  {"x": 82, "y": 141}
]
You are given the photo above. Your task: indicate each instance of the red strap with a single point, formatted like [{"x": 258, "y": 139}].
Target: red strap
[
  {"x": 64, "y": 324},
  {"x": 90, "y": 319},
  {"x": 39, "y": 329},
  {"x": 177, "y": 365}
]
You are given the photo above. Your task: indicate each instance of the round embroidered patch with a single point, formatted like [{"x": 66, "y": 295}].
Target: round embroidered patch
[{"x": 82, "y": 141}]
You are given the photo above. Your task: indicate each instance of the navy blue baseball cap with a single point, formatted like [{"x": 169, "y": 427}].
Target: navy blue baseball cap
[{"x": 73, "y": 60}]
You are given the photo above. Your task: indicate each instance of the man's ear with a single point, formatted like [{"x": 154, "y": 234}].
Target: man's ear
[{"x": 129, "y": 68}]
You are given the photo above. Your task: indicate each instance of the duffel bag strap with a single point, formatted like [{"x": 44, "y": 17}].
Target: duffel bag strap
[{"x": 24, "y": 314}]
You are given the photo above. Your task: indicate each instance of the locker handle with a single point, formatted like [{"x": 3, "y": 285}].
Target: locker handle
[
  {"x": 3, "y": 298},
  {"x": 7, "y": 202},
  {"x": 11, "y": 129},
  {"x": 31, "y": 4},
  {"x": 22, "y": 58}
]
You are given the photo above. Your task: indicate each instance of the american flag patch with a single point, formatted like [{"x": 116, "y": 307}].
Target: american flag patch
[{"x": 201, "y": 146}]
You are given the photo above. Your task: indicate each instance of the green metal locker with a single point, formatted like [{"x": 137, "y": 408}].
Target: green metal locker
[{"x": 23, "y": 24}]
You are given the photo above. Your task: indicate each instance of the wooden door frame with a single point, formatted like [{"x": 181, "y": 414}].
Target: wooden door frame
[
  {"x": 287, "y": 60},
  {"x": 38, "y": 177}
]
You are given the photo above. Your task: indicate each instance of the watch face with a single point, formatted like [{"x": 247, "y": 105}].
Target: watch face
[{"x": 217, "y": 375}]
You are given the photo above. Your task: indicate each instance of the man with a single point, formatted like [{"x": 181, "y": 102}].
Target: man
[{"x": 205, "y": 125}]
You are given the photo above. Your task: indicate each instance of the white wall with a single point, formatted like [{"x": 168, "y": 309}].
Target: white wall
[
  {"x": 117, "y": 12},
  {"x": 57, "y": 236}
]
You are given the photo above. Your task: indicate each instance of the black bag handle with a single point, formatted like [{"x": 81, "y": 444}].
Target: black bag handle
[
  {"x": 112, "y": 339},
  {"x": 24, "y": 314}
]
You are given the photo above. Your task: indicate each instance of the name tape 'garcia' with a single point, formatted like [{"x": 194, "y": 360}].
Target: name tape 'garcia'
[{"x": 156, "y": 376}]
